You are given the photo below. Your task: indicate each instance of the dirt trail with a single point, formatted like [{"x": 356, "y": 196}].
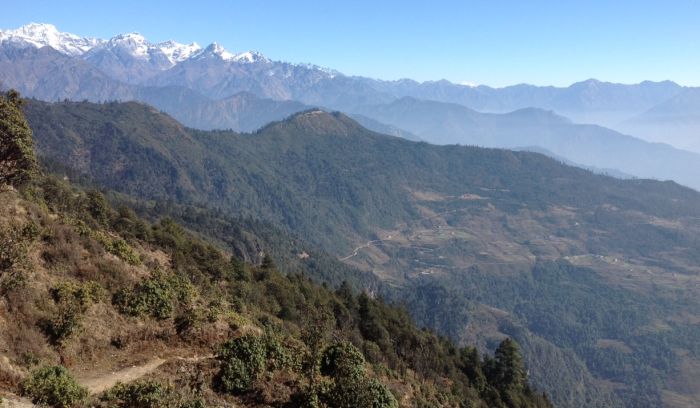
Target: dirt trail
[
  {"x": 100, "y": 383},
  {"x": 13, "y": 401}
]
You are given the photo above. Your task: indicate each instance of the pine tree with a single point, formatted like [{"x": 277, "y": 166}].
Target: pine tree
[
  {"x": 17, "y": 160},
  {"x": 509, "y": 368}
]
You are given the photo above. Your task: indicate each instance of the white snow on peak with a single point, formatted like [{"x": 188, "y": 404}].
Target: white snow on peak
[
  {"x": 469, "y": 84},
  {"x": 43, "y": 35},
  {"x": 250, "y": 57},
  {"x": 133, "y": 43},
  {"x": 216, "y": 50},
  {"x": 138, "y": 46},
  {"x": 177, "y": 52},
  {"x": 329, "y": 72}
]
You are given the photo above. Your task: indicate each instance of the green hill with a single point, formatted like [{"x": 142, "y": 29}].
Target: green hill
[
  {"x": 88, "y": 291},
  {"x": 595, "y": 277}
]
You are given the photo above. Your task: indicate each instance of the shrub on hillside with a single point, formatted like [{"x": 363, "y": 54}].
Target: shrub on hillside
[
  {"x": 352, "y": 387},
  {"x": 342, "y": 360},
  {"x": 242, "y": 361},
  {"x": 155, "y": 296},
  {"x": 147, "y": 394},
  {"x": 14, "y": 243},
  {"x": 14, "y": 246},
  {"x": 117, "y": 247},
  {"x": 53, "y": 386},
  {"x": 72, "y": 301}
]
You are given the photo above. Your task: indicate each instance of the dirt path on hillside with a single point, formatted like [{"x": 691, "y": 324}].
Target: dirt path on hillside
[
  {"x": 98, "y": 383},
  {"x": 102, "y": 382},
  {"x": 13, "y": 401}
]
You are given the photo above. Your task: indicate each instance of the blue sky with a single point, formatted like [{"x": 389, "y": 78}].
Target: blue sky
[{"x": 493, "y": 42}]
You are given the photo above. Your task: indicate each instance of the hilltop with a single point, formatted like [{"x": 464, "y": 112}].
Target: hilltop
[
  {"x": 595, "y": 277},
  {"x": 103, "y": 308}
]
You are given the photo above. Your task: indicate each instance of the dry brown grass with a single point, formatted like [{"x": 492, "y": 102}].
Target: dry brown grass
[{"x": 106, "y": 340}]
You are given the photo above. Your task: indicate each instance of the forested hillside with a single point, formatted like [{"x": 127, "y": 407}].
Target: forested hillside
[
  {"x": 88, "y": 292},
  {"x": 595, "y": 277}
]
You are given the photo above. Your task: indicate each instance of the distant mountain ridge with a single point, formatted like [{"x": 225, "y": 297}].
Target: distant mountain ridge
[
  {"x": 677, "y": 121},
  {"x": 183, "y": 65},
  {"x": 586, "y": 145},
  {"x": 213, "y": 88}
]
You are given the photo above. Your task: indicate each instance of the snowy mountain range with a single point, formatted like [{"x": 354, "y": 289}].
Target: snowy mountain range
[
  {"x": 218, "y": 73},
  {"x": 46, "y": 35},
  {"x": 211, "y": 87},
  {"x": 132, "y": 44}
]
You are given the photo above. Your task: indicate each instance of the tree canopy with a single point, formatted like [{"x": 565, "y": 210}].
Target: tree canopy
[{"x": 17, "y": 160}]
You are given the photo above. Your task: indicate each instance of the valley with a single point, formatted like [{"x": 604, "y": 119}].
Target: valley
[
  {"x": 477, "y": 243},
  {"x": 186, "y": 226}
]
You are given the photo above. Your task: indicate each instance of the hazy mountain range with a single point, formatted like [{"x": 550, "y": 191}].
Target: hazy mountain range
[
  {"x": 675, "y": 121},
  {"x": 212, "y": 88}
]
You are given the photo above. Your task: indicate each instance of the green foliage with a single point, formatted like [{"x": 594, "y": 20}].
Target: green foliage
[
  {"x": 17, "y": 160},
  {"x": 379, "y": 396},
  {"x": 14, "y": 243},
  {"x": 242, "y": 361},
  {"x": 343, "y": 360},
  {"x": 72, "y": 301},
  {"x": 276, "y": 354},
  {"x": 317, "y": 323},
  {"x": 155, "y": 296},
  {"x": 470, "y": 364},
  {"x": 53, "y": 386},
  {"x": 344, "y": 363},
  {"x": 508, "y": 371},
  {"x": 143, "y": 394},
  {"x": 98, "y": 207},
  {"x": 147, "y": 394},
  {"x": 84, "y": 294},
  {"x": 116, "y": 246},
  {"x": 554, "y": 301}
]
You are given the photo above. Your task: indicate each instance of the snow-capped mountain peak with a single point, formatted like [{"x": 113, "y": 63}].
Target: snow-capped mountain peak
[
  {"x": 250, "y": 57},
  {"x": 138, "y": 46},
  {"x": 128, "y": 45},
  {"x": 216, "y": 50},
  {"x": 42, "y": 35},
  {"x": 133, "y": 43},
  {"x": 178, "y": 52}
]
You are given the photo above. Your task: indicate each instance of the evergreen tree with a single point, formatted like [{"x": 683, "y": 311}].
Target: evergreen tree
[
  {"x": 17, "y": 160},
  {"x": 317, "y": 326},
  {"x": 267, "y": 262},
  {"x": 509, "y": 371},
  {"x": 470, "y": 364},
  {"x": 345, "y": 364}
]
